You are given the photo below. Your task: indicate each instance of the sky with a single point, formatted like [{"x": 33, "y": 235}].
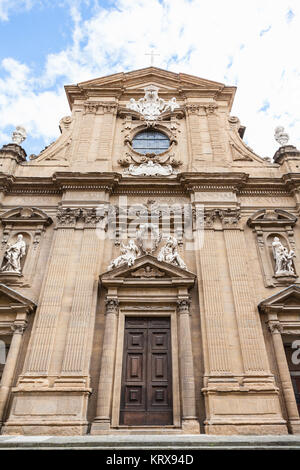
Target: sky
[{"x": 250, "y": 44}]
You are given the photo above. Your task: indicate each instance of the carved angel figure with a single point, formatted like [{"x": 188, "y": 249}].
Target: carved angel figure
[
  {"x": 169, "y": 253},
  {"x": 13, "y": 255},
  {"x": 129, "y": 253},
  {"x": 283, "y": 259}
]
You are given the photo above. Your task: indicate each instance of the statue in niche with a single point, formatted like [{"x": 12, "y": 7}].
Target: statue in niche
[
  {"x": 129, "y": 254},
  {"x": 283, "y": 259},
  {"x": 13, "y": 255},
  {"x": 169, "y": 253}
]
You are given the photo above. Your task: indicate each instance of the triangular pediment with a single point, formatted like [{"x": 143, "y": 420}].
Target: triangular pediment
[
  {"x": 286, "y": 299},
  {"x": 148, "y": 268},
  {"x": 119, "y": 85},
  {"x": 150, "y": 74},
  {"x": 10, "y": 299}
]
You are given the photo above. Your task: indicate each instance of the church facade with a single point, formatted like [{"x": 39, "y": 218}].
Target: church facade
[{"x": 150, "y": 265}]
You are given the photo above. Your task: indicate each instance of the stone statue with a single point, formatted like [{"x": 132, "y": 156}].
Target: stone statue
[
  {"x": 283, "y": 259},
  {"x": 280, "y": 136},
  {"x": 129, "y": 254},
  {"x": 18, "y": 135},
  {"x": 169, "y": 253},
  {"x": 13, "y": 255}
]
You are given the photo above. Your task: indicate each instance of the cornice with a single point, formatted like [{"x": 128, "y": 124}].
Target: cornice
[
  {"x": 182, "y": 184},
  {"x": 292, "y": 181},
  {"x": 77, "y": 181},
  {"x": 120, "y": 84},
  {"x": 213, "y": 181}
]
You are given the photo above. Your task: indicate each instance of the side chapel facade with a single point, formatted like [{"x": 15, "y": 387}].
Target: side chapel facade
[{"x": 107, "y": 326}]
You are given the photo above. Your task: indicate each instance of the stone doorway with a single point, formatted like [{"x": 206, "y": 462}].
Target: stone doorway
[{"x": 146, "y": 389}]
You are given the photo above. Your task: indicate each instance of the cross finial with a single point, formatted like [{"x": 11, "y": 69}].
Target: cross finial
[{"x": 152, "y": 54}]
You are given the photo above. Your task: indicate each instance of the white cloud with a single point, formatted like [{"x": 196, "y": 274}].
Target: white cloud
[
  {"x": 13, "y": 6},
  {"x": 251, "y": 44}
]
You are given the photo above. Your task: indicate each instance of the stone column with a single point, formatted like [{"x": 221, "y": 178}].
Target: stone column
[
  {"x": 109, "y": 110},
  {"x": 285, "y": 378},
  {"x": 194, "y": 131},
  {"x": 253, "y": 348},
  {"x": 82, "y": 316},
  {"x": 213, "y": 316},
  {"x": 189, "y": 418},
  {"x": 214, "y": 131},
  {"x": 9, "y": 370},
  {"x": 103, "y": 413},
  {"x": 50, "y": 303}
]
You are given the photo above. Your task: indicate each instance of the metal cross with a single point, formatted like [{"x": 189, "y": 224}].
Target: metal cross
[{"x": 152, "y": 54}]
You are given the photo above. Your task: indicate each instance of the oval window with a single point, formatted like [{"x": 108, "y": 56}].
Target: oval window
[{"x": 150, "y": 142}]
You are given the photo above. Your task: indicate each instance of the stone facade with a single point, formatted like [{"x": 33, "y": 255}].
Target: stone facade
[{"x": 78, "y": 203}]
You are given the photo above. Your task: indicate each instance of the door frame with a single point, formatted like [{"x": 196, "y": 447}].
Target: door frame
[{"x": 156, "y": 312}]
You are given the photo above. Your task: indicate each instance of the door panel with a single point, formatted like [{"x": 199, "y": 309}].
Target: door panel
[{"x": 146, "y": 392}]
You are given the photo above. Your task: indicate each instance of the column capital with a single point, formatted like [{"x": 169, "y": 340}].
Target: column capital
[
  {"x": 183, "y": 306},
  {"x": 19, "y": 327},
  {"x": 275, "y": 327},
  {"x": 112, "y": 306}
]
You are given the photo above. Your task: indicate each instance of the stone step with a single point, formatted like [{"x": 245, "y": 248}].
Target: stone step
[{"x": 141, "y": 442}]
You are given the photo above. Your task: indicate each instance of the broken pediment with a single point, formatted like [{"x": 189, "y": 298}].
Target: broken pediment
[
  {"x": 24, "y": 216},
  {"x": 148, "y": 270},
  {"x": 276, "y": 217},
  {"x": 286, "y": 300},
  {"x": 12, "y": 301}
]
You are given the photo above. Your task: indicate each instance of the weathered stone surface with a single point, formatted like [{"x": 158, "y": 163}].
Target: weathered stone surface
[{"x": 232, "y": 317}]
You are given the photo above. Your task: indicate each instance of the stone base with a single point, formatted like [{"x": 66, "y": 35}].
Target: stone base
[
  {"x": 294, "y": 426},
  {"x": 190, "y": 426},
  {"x": 45, "y": 429},
  {"x": 100, "y": 426},
  {"x": 246, "y": 429}
]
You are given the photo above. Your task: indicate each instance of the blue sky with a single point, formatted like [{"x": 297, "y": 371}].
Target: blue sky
[{"x": 252, "y": 44}]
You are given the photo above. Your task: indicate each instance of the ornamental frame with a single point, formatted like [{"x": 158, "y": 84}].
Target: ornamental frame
[
  {"x": 132, "y": 127},
  {"x": 31, "y": 222},
  {"x": 271, "y": 223}
]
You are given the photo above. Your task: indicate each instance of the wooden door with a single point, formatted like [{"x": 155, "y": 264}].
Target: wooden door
[{"x": 146, "y": 392}]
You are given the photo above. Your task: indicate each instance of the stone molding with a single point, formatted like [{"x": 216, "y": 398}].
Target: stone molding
[{"x": 15, "y": 151}]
